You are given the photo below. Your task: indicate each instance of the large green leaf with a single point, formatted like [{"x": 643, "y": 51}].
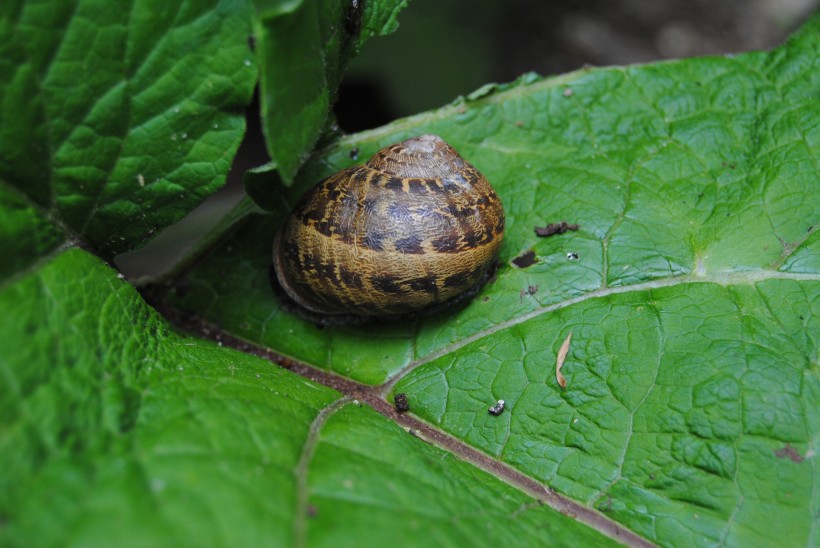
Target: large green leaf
[
  {"x": 691, "y": 409},
  {"x": 116, "y": 430},
  {"x": 116, "y": 121},
  {"x": 304, "y": 48}
]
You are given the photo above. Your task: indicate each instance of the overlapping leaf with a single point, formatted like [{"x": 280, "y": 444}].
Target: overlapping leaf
[
  {"x": 305, "y": 46},
  {"x": 116, "y": 430},
  {"x": 116, "y": 122}
]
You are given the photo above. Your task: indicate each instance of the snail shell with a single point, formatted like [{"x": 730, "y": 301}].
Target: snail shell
[{"x": 414, "y": 226}]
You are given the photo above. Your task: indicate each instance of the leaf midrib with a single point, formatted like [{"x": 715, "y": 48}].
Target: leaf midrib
[{"x": 725, "y": 279}]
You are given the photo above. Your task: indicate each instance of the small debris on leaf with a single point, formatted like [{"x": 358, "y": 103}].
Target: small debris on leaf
[
  {"x": 559, "y": 361},
  {"x": 531, "y": 290},
  {"x": 525, "y": 259},
  {"x": 496, "y": 409},
  {"x": 572, "y": 256},
  {"x": 568, "y": 92},
  {"x": 789, "y": 452},
  {"x": 401, "y": 402},
  {"x": 354, "y": 153},
  {"x": 555, "y": 228}
]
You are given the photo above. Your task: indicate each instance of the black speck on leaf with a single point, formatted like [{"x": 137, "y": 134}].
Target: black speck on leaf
[
  {"x": 555, "y": 228},
  {"x": 402, "y": 404},
  {"x": 525, "y": 259}
]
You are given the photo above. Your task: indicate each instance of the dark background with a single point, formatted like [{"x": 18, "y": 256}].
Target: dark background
[{"x": 446, "y": 48}]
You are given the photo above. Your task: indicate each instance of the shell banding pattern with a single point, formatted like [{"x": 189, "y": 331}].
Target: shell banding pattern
[{"x": 414, "y": 226}]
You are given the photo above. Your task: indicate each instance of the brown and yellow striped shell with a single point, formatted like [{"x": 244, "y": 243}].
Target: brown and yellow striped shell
[{"x": 415, "y": 226}]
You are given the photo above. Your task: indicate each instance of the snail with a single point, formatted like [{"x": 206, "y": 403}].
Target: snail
[{"x": 414, "y": 227}]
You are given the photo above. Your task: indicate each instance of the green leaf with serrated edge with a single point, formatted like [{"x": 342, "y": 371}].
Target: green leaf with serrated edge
[
  {"x": 117, "y": 430},
  {"x": 303, "y": 49},
  {"x": 117, "y": 122},
  {"x": 692, "y": 399}
]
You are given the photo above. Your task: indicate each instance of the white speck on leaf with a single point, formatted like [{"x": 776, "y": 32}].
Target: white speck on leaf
[
  {"x": 497, "y": 409},
  {"x": 141, "y": 180}
]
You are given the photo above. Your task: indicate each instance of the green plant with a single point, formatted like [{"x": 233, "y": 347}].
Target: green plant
[{"x": 691, "y": 407}]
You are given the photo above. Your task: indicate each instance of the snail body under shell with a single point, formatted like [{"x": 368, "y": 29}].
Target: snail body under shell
[{"x": 415, "y": 226}]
